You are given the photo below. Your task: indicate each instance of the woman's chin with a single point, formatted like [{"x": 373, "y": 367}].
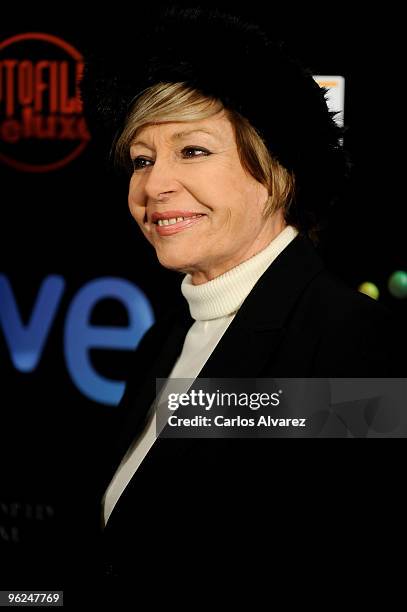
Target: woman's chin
[{"x": 175, "y": 261}]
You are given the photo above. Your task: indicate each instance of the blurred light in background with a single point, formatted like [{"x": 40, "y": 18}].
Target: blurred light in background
[
  {"x": 397, "y": 284},
  {"x": 369, "y": 289}
]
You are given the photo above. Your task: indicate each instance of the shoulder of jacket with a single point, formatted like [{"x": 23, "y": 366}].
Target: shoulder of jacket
[{"x": 338, "y": 300}]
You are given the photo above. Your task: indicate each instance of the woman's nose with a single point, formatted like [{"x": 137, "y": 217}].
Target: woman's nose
[
  {"x": 163, "y": 196},
  {"x": 161, "y": 181}
]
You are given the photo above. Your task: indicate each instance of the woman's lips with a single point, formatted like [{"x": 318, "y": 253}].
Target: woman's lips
[{"x": 175, "y": 228}]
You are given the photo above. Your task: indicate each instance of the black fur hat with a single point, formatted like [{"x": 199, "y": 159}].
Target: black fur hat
[{"x": 233, "y": 60}]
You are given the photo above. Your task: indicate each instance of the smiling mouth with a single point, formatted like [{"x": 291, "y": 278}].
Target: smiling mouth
[
  {"x": 174, "y": 220},
  {"x": 174, "y": 225}
]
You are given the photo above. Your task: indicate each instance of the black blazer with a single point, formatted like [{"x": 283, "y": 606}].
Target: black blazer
[{"x": 205, "y": 496}]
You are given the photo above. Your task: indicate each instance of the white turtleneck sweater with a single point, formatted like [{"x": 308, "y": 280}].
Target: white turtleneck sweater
[{"x": 213, "y": 306}]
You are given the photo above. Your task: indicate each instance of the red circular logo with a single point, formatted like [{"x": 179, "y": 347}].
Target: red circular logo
[{"x": 41, "y": 123}]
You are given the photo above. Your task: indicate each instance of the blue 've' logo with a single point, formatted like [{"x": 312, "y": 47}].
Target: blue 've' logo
[{"x": 26, "y": 341}]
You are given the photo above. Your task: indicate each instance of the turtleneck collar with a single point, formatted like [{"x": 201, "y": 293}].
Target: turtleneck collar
[{"x": 225, "y": 294}]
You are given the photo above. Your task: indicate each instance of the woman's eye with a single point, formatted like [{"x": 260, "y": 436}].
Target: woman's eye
[
  {"x": 138, "y": 162},
  {"x": 196, "y": 149}
]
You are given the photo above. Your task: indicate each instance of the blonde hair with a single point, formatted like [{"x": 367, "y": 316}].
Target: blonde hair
[{"x": 179, "y": 102}]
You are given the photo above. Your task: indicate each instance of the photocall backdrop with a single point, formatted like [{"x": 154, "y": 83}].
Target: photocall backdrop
[{"x": 78, "y": 283}]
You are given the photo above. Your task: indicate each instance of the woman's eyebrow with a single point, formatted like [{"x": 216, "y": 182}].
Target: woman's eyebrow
[
  {"x": 179, "y": 135},
  {"x": 176, "y": 136}
]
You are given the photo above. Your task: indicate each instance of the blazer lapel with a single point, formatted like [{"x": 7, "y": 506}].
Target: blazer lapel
[
  {"x": 258, "y": 327},
  {"x": 142, "y": 400}
]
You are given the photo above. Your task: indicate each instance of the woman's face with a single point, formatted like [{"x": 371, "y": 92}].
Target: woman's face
[{"x": 197, "y": 173}]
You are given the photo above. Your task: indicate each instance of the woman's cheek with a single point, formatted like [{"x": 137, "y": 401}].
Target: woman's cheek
[{"x": 137, "y": 212}]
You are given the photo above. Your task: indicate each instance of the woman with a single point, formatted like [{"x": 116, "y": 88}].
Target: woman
[{"x": 228, "y": 182}]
